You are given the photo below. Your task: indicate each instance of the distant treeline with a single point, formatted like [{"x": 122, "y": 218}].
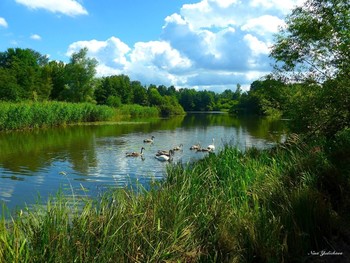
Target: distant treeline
[{"x": 26, "y": 75}]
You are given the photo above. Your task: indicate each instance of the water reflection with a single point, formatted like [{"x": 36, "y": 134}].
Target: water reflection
[{"x": 91, "y": 158}]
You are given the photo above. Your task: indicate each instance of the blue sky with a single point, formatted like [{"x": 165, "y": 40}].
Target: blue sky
[{"x": 201, "y": 44}]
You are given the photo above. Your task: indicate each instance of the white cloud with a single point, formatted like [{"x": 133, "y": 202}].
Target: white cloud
[
  {"x": 257, "y": 47},
  {"x": 211, "y": 13},
  {"x": 225, "y": 3},
  {"x": 3, "y": 22},
  {"x": 212, "y": 44},
  {"x": 263, "y": 25},
  {"x": 284, "y": 6},
  {"x": 67, "y": 7},
  {"x": 159, "y": 54},
  {"x": 35, "y": 37},
  {"x": 111, "y": 54}
]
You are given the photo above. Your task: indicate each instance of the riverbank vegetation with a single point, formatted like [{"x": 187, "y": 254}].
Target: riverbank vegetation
[
  {"x": 24, "y": 115},
  {"x": 284, "y": 204},
  {"x": 275, "y": 205},
  {"x": 29, "y": 115}
]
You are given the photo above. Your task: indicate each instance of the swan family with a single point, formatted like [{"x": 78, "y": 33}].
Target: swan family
[{"x": 164, "y": 155}]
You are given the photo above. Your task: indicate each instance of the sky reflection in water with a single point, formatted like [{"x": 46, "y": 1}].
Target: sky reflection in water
[{"x": 86, "y": 160}]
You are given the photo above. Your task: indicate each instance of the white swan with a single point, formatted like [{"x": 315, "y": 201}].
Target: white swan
[
  {"x": 149, "y": 140},
  {"x": 211, "y": 147},
  {"x": 164, "y": 157},
  {"x": 135, "y": 154}
]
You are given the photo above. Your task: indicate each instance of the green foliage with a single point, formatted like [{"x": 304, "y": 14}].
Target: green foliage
[
  {"x": 315, "y": 42},
  {"x": 135, "y": 110},
  {"x": 24, "y": 75},
  {"x": 139, "y": 93},
  {"x": 25, "y": 115},
  {"x": 114, "y": 101},
  {"x": 116, "y": 86},
  {"x": 313, "y": 49},
  {"x": 266, "y": 97},
  {"x": 79, "y": 74},
  {"x": 231, "y": 207},
  {"x": 170, "y": 106},
  {"x": 192, "y": 100},
  {"x": 58, "y": 77}
]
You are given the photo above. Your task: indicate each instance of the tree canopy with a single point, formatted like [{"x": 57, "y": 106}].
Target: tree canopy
[
  {"x": 313, "y": 53},
  {"x": 315, "y": 43}
]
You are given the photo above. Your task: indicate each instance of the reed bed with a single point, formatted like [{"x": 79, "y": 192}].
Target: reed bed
[
  {"x": 24, "y": 115},
  {"x": 256, "y": 206},
  {"x": 135, "y": 110}
]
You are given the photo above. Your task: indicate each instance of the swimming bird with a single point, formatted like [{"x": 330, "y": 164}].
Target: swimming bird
[
  {"x": 211, "y": 147},
  {"x": 149, "y": 140},
  {"x": 164, "y": 157},
  {"x": 195, "y": 146},
  {"x": 202, "y": 150},
  {"x": 135, "y": 154},
  {"x": 162, "y": 152},
  {"x": 177, "y": 148}
]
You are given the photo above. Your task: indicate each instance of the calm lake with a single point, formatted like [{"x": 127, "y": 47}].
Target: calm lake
[{"x": 88, "y": 159}]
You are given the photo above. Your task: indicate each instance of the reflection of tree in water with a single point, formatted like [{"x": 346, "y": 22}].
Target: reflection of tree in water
[
  {"x": 37, "y": 149},
  {"x": 255, "y": 126},
  {"x": 264, "y": 128},
  {"x": 23, "y": 151},
  {"x": 33, "y": 150}
]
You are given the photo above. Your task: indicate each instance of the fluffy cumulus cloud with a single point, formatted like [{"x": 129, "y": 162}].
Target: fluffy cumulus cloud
[
  {"x": 3, "y": 22},
  {"x": 66, "y": 7},
  {"x": 112, "y": 54},
  {"x": 211, "y": 44}
]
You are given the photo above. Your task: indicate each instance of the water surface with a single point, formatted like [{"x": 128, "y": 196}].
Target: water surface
[{"x": 88, "y": 159}]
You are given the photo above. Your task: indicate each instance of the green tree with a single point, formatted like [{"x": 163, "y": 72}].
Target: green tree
[
  {"x": 154, "y": 97},
  {"x": 315, "y": 43},
  {"x": 314, "y": 50},
  {"x": 117, "y": 86},
  {"x": 139, "y": 93},
  {"x": 187, "y": 99},
  {"x": 29, "y": 68},
  {"x": 58, "y": 77},
  {"x": 123, "y": 88},
  {"x": 204, "y": 100},
  {"x": 80, "y": 72},
  {"x": 170, "y": 106},
  {"x": 9, "y": 89}
]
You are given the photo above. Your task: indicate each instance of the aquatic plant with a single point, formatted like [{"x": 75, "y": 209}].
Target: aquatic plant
[
  {"x": 233, "y": 206},
  {"x": 24, "y": 115}
]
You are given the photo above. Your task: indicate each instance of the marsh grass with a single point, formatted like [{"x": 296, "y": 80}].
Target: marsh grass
[
  {"x": 256, "y": 206},
  {"x": 135, "y": 110},
  {"x": 24, "y": 115}
]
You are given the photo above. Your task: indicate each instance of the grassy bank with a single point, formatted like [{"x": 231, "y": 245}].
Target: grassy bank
[
  {"x": 28, "y": 115},
  {"x": 14, "y": 116},
  {"x": 276, "y": 205},
  {"x": 134, "y": 110}
]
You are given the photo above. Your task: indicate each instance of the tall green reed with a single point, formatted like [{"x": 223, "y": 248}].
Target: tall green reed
[
  {"x": 229, "y": 207},
  {"x": 47, "y": 114}
]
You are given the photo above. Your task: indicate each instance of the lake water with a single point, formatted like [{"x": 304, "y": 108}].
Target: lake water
[{"x": 88, "y": 159}]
